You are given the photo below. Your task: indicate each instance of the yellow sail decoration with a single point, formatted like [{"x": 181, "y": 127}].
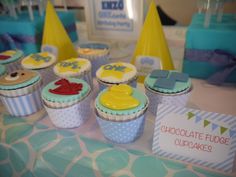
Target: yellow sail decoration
[
  {"x": 151, "y": 50},
  {"x": 55, "y": 37}
]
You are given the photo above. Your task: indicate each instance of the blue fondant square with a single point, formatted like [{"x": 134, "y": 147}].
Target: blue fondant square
[
  {"x": 159, "y": 73},
  {"x": 165, "y": 83},
  {"x": 181, "y": 77}
]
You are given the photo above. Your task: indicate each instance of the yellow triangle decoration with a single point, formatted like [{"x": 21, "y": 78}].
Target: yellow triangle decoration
[
  {"x": 206, "y": 123},
  {"x": 222, "y": 130},
  {"x": 152, "y": 41},
  {"x": 55, "y": 35}
]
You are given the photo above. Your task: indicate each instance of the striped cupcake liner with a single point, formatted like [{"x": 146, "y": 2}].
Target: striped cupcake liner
[
  {"x": 47, "y": 75},
  {"x": 72, "y": 116},
  {"x": 13, "y": 66},
  {"x": 96, "y": 61},
  {"x": 23, "y": 105},
  {"x": 21, "y": 91},
  {"x": 102, "y": 85},
  {"x": 178, "y": 99},
  {"x": 122, "y": 132}
]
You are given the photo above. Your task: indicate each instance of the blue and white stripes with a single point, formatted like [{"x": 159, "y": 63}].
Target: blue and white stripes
[
  {"x": 23, "y": 105},
  {"x": 228, "y": 121}
]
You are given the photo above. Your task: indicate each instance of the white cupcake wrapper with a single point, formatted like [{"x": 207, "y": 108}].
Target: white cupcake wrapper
[
  {"x": 155, "y": 99},
  {"x": 96, "y": 61},
  {"x": 47, "y": 75},
  {"x": 13, "y": 66},
  {"x": 122, "y": 132},
  {"x": 72, "y": 116},
  {"x": 23, "y": 105}
]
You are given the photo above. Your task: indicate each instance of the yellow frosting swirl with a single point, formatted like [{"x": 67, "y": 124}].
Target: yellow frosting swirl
[{"x": 119, "y": 97}]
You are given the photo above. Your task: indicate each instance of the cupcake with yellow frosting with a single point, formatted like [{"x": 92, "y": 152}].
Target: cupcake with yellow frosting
[
  {"x": 11, "y": 59},
  {"x": 74, "y": 67},
  {"x": 97, "y": 53},
  {"x": 120, "y": 111},
  {"x": 116, "y": 73},
  {"x": 43, "y": 63}
]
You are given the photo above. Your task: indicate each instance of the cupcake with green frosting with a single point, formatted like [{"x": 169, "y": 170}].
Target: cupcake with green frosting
[
  {"x": 67, "y": 102},
  {"x": 11, "y": 59},
  {"x": 168, "y": 87},
  {"x": 20, "y": 92},
  {"x": 120, "y": 111}
]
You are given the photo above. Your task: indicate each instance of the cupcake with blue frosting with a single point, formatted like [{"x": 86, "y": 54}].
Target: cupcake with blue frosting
[
  {"x": 120, "y": 111},
  {"x": 67, "y": 102},
  {"x": 97, "y": 53},
  {"x": 167, "y": 87},
  {"x": 20, "y": 92},
  {"x": 11, "y": 59}
]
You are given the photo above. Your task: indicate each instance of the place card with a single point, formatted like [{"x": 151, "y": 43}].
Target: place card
[{"x": 197, "y": 137}]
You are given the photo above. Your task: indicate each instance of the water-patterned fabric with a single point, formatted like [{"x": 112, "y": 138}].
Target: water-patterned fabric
[{"x": 29, "y": 149}]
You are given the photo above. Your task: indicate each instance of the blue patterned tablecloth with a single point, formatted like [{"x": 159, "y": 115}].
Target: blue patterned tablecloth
[{"x": 36, "y": 149}]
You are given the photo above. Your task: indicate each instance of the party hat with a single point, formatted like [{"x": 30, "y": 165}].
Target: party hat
[
  {"x": 55, "y": 37},
  {"x": 151, "y": 50}
]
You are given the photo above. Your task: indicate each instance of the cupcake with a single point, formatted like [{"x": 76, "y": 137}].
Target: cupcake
[
  {"x": 20, "y": 92},
  {"x": 98, "y": 54},
  {"x": 67, "y": 102},
  {"x": 116, "y": 73},
  {"x": 11, "y": 59},
  {"x": 168, "y": 87},
  {"x": 120, "y": 111},
  {"x": 43, "y": 63},
  {"x": 75, "y": 67}
]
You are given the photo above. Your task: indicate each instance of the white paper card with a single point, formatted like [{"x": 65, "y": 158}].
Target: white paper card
[{"x": 194, "y": 136}]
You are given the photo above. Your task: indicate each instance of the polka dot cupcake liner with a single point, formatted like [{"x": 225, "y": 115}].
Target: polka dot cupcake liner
[
  {"x": 122, "y": 132},
  {"x": 72, "y": 116},
  {"x": 178, "y": 99}
]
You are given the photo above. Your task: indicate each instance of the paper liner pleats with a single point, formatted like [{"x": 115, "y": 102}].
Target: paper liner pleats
[
  {"x": 11, "y": 67},
  {"x": 155, "y": 99},
  {"x": 23, "y": 105},
  {"x": 47, "y": 75}
]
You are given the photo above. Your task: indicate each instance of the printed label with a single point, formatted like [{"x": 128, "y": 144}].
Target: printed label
[{"x": 145, "y": 64}]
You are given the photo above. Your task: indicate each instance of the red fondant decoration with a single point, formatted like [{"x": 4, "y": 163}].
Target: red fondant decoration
[
  {"x": 4, "y": 57},
  {"x": 66, "y": 88}
]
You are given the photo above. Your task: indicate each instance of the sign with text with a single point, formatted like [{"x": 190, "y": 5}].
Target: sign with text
[
  {"x": 114, "y": 19},
  {"x": 197, "y": 137}
]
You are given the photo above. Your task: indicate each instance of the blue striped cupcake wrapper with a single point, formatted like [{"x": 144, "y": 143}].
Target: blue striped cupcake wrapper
[
  {"x": 88, "y": 78},
  {"x": 102, "y": 85},
  {"x": 23, "y": 105},
  {"x": 122, "y": 132},
  {"x": 155, "y": 99},
  {"x": 96, "y": 61},
  {"x": 72, "y": 116}
]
